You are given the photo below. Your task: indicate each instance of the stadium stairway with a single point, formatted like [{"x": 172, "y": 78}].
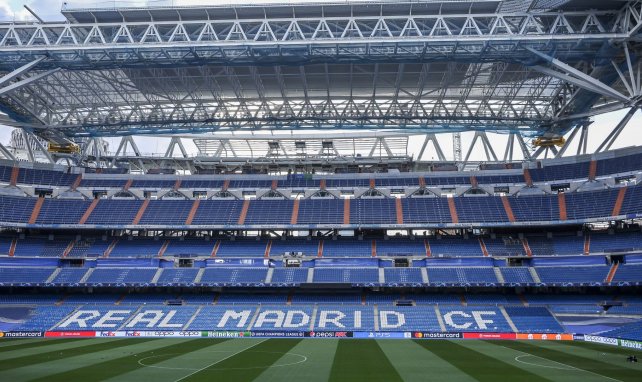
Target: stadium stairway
[
  {"x": 86, "y": 276},
  {"x": 294, "y": 218},
  {"x": 36, "y": 210},
  {"x": 76, "y": 182},
  {"x": 254, "y": 317},
  {"x": 189, "y": 322},
  {"x": 424, "y": 275},
  {"x": 399, "y": 211},
  {"x": 527, "y": 247},
  {"x": 523, "y": 300},
  {"x": 315, "y": 310},
  {"x": 499, "y": 275},
  {"x": 217, "y": 245},
  {"x": 508, "y": 319},
  {"x": 427, "y": 246},
  {"x": 482, "y": 245},
  {"x": 440, "y": 319},
  {"x": 244, "y": 209},
  {"x": 69, "y": 248},
  {"x": 88, "y": 211},
  {"x": 157, "y": 275},
  {"x": 199, "y": 275},
  {"x": 376, "y": 317},
  {"x": 64, "y": 318},
  {"x": 111, "y": 247},
  {"x": 534, "y": 274},
  {"x": 453, "y": 210},
  {"x": 53, "y": 275},
  {"x": 268, "y": 248},
  {"x": 163, "y": 248},
  {"x": 141, "y": 211},
  {"x": 268, "y": 276},
  {"x": 561, "y": 201},
  {"x": 618, "y": 202},
  {"x": 121, "y": 298},
  {"x": 310, "y": 277},
  {"x": 346, "y": 211},
  {"x": 612, "y": 271},
  {"x": 508, "y": 209},
  {"x": 12, "y": 247},
  {"x": 192, "y": 212}
]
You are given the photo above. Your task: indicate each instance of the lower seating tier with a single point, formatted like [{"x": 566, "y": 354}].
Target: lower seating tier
[{"x": 299, "y": 317}]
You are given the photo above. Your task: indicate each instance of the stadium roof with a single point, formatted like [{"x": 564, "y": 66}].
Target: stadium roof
[{"x": 531, "y": 67}]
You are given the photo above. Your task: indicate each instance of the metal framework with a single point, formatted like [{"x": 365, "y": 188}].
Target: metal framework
[
  {"x": 426, "y": 67},
  {"x": 300, "y": 152}
]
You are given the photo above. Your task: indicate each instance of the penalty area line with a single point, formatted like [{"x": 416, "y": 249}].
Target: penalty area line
[
  {"x": 219, "y": 361},
  {"x": 570, "y": 367}
]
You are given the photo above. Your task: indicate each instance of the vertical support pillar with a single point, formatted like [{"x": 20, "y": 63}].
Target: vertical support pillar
[
  {"x": 36, "y": 210},
  {"x": 561, "y": 201},
  {"x": 346, "y": 211},
  {"x": 141, "y": 211},
  {"x": 453, "y": 210},
  {"x": 14, "y": 175},
  {"x": 618, "y": 202},
  {"x": 192, "y": 212},
  {"x": 527, "y": 178},
  {"x": 399, "y": 210},
  {"x": 508, "y": 209},
  {"x": 592, "y": 170},
  {"x": 88, "y": 211},
  {"x": 246, "y": 206},
  {"x": 295, "y": 212}
]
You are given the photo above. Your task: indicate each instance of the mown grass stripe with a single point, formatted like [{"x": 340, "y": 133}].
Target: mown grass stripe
[
  {"x": 36, "y": 343},
  {"x": 181, "y": 364},
  {"x": 601, "y": 354},
  {"x": 482, "y": 367},
  {"x": 534, "y": 364},
  {"x": 314, "y": 368},
  {"x": 121, "y": 365},
  {"x": 247, "y": 364},
  {"x": 607, "y": 370},
  {"x": 414, "y": 363},
  {"x": 59, "y": 354},
  {"x": 362, "y": 360}
]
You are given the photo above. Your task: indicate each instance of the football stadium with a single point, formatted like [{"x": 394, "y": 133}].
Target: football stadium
[{"x": 331, "y": 190}]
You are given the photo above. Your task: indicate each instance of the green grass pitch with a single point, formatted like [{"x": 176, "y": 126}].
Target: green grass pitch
[{"x": 311, "y": 360}]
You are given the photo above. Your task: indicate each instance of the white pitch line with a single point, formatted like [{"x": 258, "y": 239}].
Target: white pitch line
[
  {"x": 560, "y": 363},
  {"x": 219, "y": 361},
  {"x": 538, "y": 365}
]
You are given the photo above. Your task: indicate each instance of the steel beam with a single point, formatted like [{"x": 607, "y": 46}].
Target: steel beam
[
  {"x": 21, "y": 70},
  {"x": 617, "y": 129}
]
